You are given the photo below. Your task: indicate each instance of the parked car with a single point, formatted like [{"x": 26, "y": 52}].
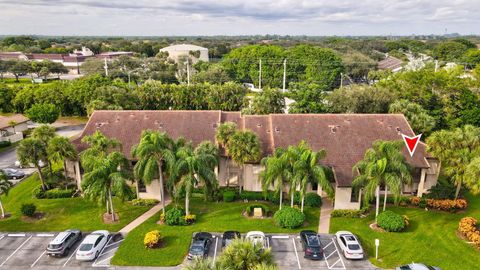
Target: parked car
[
  {"x": 63, "y": 243},
  {"x": 228, "y": 236},
  {"x": 200, "y": 245},
  {"x": 312, "y": 246},
  {"x": 19, "y": 164},
  {"x": 92, "y": 245},
  {"x": 417, "y": 266},
  {"x": 13, "y": 173},
  {"x": 257, "y": 237},
  {"x": 349, "y": 245}
]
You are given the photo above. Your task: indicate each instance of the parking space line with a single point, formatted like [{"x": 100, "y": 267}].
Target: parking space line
[
  {"x": 2, "y": 236},
  {"x": 69, "y": 258},
  {"x": 268, "y": 242},
  {"x": 102, "y": 265},
  {"x": 280, "y": 236},
  {"x": 101, "y": 251},
  {"x": 45, "y": 235},
  {"x": 114, "y": 243},
  {"x": 39, "y": 257},
  {"x": 339, "y": 256},
  {"x": 16, "y": 235},
  {"x": 110, "y": 251},
  {"x": 215, "y": 252},
  {"x": 296, "y": 254},
  {"x": 16, "y": 250}
]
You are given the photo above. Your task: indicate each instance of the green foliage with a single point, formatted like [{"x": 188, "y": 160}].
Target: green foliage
[
  {"x": 472, "y": 57},
  {"x": 252, "y": 195},
  {"x": 449, "y": 51},
  {"x": 7, "y": 94},
  {"x": 228, "y": 196},
  {"x": 442, "y": 190},
  {"x": 250, "y": 209},
  {"x": 360, "y": 99},
  {"x": 266, "y": 102},
  {"x": 309, "y": 97},
  {"x": 312, "y": 199},
  {"x": 57, "y": 193},
  {"x": 5, "y": 144},
  {"x": 244, "y": 146},
  {"x": 28, "y": 209},
  {"x": 418, "y": 118},
  {"x": 175, "y": 216},
  {"x": 289, "y": 217},
  {"x": 43, "y": 113},
  {"x": 349, "y": 213},
  {"x": 242, "y": 254},
  {"x": 390, "y": 221},
  {"x": 144, "y": 202}
]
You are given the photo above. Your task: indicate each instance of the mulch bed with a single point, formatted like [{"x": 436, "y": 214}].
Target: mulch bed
[
  {"x": 7, "y": 215},
  {"x": 37, "y": 216},
  {"x": 107, "y": 218},
  {"x": 375, "y": 227}
]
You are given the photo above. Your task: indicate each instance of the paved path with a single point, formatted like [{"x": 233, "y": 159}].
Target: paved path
[
  {"x": 135, "y": 223},
  {"x": 325, "y": 211}
]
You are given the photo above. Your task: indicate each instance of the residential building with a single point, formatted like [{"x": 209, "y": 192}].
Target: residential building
[
  {"x": 177, "y": 52},
  {"x": 390, "y": 63},
  {"x": 12, "y": 127},
  {"x": 113, "y": 55},
  {"x": 345, "y": 137}
]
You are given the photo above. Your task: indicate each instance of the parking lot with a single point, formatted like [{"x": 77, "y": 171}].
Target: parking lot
[
  {"x": 288, "y": 253},
  {"x": 27, "y": 251}
]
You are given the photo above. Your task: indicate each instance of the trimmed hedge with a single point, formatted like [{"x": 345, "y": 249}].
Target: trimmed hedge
[
  {"x": 289, "y": 217},
  {"x": 228, "y": 196},
  {"x": 175, "y": 216},
  {"x": 391, "y": 222},
  {"x": 349, "y": 213},
  {"x": 312, "y": 199},
  {"x": 28, "y": 209},
  {"x": 252, "y": 196},
  {"x": 144, "y": 202},
  {"x": 5, "y": 144},
  {"x": 55, "y": 193},
  {"x": 251, "y": 208}
]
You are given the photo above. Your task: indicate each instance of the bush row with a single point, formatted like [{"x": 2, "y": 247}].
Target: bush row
[
  {"x": 349, "y": 213},
  {"x": 144, "y": 202},
  {"x": 251, "y": 207},
  {"x": 55, "y": 193},
  {"x": 312, "y": 199},
  {"x": 443, "y": 205},
  {"x": 468, "y": 228}
]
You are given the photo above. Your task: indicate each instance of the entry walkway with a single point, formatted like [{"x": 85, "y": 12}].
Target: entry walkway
[
  {"x": 325, "y": 212},
  {"x": 154, "y": 210}
]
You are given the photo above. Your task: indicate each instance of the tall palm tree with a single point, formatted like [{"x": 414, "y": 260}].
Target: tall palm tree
[
  {"x": 99, "y": 146},
  {"x": 5, "y": 186},
  {"x": 222, "y": 135},
  {"x": 31, "y": 151},
  {"x": 244, "y": 147},
  {"x": 153, "y": 152},
  {"x": 276, "y": 173},
  {"x": 209, "y": 148},
  {"x": 243, "y": 254},
  {"x": 109, "y": 176},
  {"x": 60, "y": 149},
  {"x": 383, "y": 164},
  {"x": 44, "y": 134},
  {"x": 192, "y": 169},
  {"x": 169, "y": 172}
]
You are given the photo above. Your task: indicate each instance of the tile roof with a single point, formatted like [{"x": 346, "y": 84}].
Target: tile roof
[
  {"x": 345, "y": 137},
  {"x": 390, "y": 63},
  {"x": 5, "y": 120}
]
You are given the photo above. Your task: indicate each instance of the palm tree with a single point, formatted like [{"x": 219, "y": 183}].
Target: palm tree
[
  {"x": 169, "y": 172},
  {"x": 31, "y": 151},
  {"x": 192, "y": 169},
  {"x": 244, "y": 147},
  {"x": 223, "y": 134},
  {"x": 383, "y": 164},
  {"x": 44, "y": 133},
  {"x": 152, "y": 152},
  {"x": 99, "y": 146},
  {"x": 201, "y": 264},
  {"x": 276, "y": 173},
  {"x": 5, "y": 186},
  {"x": 60, "y": 149},
  {"x": 472, "y": 176},
  {"x": 209, "y": 148},
  {"x": 307, "y": 170},
  {"x": 13, "y": 124},
  {"x": 109, "y": 176},
  {"x": 243, "y": 254}
]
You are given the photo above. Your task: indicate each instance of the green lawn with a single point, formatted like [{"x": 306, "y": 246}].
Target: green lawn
[
  {"x": 61, "y": 214},
  {"x": 211, "y": 217},
  {"x": 431, "y": 238}
]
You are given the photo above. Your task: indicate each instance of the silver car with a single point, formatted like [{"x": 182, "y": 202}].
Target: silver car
[
  {"x": 417, "y": 266},
  {"x": 349, "y": 245}
]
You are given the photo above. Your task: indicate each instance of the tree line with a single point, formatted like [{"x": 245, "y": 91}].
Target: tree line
[{"x": 41, "y": 69}]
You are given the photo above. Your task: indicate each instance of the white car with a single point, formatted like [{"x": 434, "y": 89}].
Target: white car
[
  {"x": 257, "y": 237},
  {"x": 92, "y": 245},
  {"x": 417, "y": 266},
  {"x": 18, "y": 164},
  {"x": 349, "y": 245}
]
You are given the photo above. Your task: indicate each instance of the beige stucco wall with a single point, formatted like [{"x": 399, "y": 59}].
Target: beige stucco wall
[
  {"x": 342, "y": 199},
  {"x": 153, "y": 191},
  {"x": 176, "y": 54}
]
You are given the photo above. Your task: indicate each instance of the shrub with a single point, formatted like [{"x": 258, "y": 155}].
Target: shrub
[
  {"x": 390, "y": 221},
  {"x": 57, "y": 193},
  {"x": 443, "y": 205},
  {"x": 273, "y": 197},
  {"x": 251, "y": 208},
  {"x": 228, "y": 196},
  {"x": 152, "y": 239},
  {"x": 175, "y": 216},
  {"x": 5, "y": 144},
  {"x": 252, "y": 196},
  {"x": 144, "y": 202},
  {"x": 349, "y": 213},
  {"x": 442, "y": 190},
  {"x": 312, "y": 199},
  {"x": 190, "y": 219},
  {"x": 38, "y": 192},
  {"x": 468, "y": 228},
  {"x": 28, "y": 209},
  {"x": 289, "y": 218}
]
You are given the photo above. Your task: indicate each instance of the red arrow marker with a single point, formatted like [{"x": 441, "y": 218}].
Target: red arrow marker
[{"x": 411, "y": 142}]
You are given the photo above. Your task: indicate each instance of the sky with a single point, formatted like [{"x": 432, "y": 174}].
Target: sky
[{"x": 238, "y": 17}]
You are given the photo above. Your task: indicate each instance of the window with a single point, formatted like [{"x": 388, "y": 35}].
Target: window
[
  {"x": 355, "y": 194},
  {"x": 141, "y": 186},
  {"x": 98, "y": 240}
]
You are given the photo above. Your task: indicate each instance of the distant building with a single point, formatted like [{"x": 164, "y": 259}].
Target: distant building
[
  {"x": 197, "y": 53},
  {"x": 112, "y": 55},
  {"x": 12, "y": 127},
  {"x": 390, "y": 63}
]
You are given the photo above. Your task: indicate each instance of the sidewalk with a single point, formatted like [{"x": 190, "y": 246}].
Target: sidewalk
[
  {"x": 325, "y": 211},
  {"x": 132, "y": 225}
]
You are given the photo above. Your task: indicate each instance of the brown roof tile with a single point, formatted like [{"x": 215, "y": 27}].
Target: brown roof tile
[{"x": 5, "y": 120}]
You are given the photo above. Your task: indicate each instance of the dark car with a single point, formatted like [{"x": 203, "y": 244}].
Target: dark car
[
  {"x": 228, "y": 236},
  {"x": 200, "y": 245},
  {"x": 311, "y": 245},
  {"x": 13, "y": 174},
  {"x": 63, "y": 243}
]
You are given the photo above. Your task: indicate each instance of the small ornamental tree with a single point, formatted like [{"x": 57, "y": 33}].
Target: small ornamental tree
[{"x": 43, "y": 113}]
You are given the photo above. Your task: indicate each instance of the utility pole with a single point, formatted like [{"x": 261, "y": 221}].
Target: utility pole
[
  {"x": 260, "y": 75},
  {"x": 105, "y": 66},
  {"x": 188, "y": 72},
  {"x": 284, "y": 74},
  {"x": 436, "y": 65},
  {"x": 341, "y": 79}
]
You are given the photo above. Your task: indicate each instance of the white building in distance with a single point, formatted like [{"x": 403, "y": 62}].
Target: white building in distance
[{"x": 197, "y": 53}]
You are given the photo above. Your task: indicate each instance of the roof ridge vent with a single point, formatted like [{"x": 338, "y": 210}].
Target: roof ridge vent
[{"x": 333, "y": 128}]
